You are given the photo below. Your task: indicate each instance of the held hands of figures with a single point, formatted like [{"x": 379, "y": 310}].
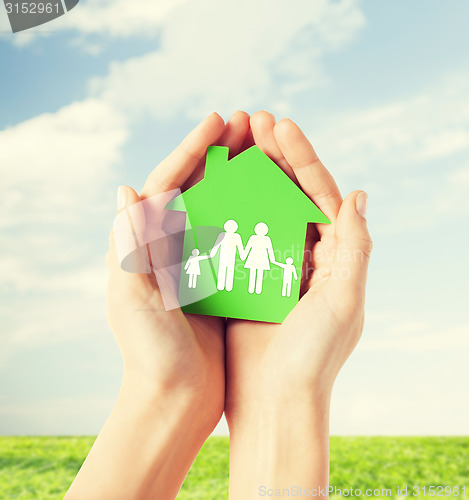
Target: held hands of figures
[{"x": 212, "y": 254}]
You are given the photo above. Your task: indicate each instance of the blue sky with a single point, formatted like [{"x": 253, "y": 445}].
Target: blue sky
[{"x": 98, "y": 97}]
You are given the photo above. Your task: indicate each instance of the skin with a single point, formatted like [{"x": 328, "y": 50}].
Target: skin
[{"x": 279, "y": 378}]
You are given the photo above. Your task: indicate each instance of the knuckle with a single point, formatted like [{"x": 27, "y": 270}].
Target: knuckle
[
  {"x": 190, "y": 153},
  {"x": 367, "y": 246}
]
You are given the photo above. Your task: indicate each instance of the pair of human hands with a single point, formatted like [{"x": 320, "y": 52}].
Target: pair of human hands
[{"x": 239, "y": 366}]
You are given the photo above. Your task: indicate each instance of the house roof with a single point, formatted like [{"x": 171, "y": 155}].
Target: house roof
[{"x": 251, "y": 177}]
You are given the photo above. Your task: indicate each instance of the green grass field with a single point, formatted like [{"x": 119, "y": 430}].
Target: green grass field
[{"x": 43, "y": 468}]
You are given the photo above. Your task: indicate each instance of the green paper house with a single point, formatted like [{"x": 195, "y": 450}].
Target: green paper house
[{"x": 245, "y": 236}]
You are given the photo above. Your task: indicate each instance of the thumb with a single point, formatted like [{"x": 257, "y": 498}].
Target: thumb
[
  {"x": 126, "y": 258},
  {"x": 354, "y": 241}
]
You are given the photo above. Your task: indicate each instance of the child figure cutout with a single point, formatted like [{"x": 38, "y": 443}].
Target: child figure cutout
[
  {"x": 289, "y": 272},
  {"x": 192, "y": 267}
]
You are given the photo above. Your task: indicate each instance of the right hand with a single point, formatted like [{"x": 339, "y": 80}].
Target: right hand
[{"x": 299, "y": 359}]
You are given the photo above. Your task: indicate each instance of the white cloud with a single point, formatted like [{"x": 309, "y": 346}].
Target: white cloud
[
  {"x": 397, "y": 331},
  {"x": 101, "y": 18},
  {"x": 57, "y": 161},
  {"x": 119, "y": 18},
  {"x": 415, "y": 337},
  {"x": 399, "y": 411},
  {"x": 410, "y": 155},
  {"x": 241, "y": 54},
  {"x": 408, "y": 327},
  {"x": 143, "y": 18},
  {"x": 407, "y": 133},
  {"x": 55, "y": 318},
  {"x": 452, "y": 197},
  {"x": 404, "y": 378},
  {"x": 4, "y": 23},
  {"x": 26, "y": 276},
  {"x": 56, "y": 190},
  {"x": 43, "y": 317}
]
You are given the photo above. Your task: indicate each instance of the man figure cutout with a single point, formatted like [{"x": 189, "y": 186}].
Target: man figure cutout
[{"x": 228, "y": 242}]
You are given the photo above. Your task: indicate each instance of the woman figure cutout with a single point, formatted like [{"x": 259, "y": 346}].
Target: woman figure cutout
[
  {"x": 192, "y": 267},
  {"x": 260, "y": 254}
]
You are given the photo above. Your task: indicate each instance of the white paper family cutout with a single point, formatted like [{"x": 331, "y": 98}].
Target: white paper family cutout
[{"x": 258, "y": 255}]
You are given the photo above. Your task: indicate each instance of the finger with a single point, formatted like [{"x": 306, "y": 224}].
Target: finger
[
  {"x": 233, "y": 137},
  {"x": 354, "y": 246},
  {"x": 313, "y": 177},
  {"x": 262, "y": 126},
  {"x": 248, "y": 141},
  {"x": 172, "y": 172},
  {"x": 235, "y": 132}
]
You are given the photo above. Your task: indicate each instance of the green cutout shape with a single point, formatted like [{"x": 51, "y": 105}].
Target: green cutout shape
[{"x": 248, "y": 189}]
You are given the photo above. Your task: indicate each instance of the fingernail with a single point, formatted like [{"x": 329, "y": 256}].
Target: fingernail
[
  {"x": 121, "y": 197},
  {"x": 361, "y": 204},
  {"x": 214, "y": 114}
]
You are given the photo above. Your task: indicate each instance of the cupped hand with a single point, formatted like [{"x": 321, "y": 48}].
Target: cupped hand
[
  {"x": 180, "y": 355},
  {"x": 299, "y": 359}
]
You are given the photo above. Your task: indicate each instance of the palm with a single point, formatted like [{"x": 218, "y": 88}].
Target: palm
[
  {"x": 182, "y": 351},
  {"x": 294, "y": 354}
]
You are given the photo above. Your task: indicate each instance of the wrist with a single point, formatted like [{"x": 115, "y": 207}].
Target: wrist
[
  {"x": 277, "y": 415},
  {"x": 184, "y": 406},
  {"x": 244, "y": 403},
  {"x": 287, "y": 443},
  {"x": 153, "y": 433}
]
